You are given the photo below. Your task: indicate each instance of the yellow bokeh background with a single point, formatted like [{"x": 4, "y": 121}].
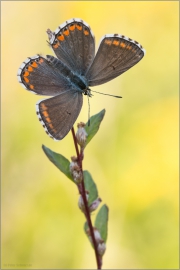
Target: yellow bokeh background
[{"x": 133, "y": 158}]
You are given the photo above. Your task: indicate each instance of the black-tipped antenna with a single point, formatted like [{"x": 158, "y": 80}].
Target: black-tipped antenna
[{"x": 106, "y": 94}]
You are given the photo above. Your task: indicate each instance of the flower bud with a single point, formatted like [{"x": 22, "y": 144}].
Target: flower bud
[
  {"x": 101, "y": 248},
  {"x": 95, "y": 205},
  {"x": 77, "y": 176},
  {"x": 97, "y": 235},
  {"x": 81, "y": 202},
  {"x": 75, "y": 170},
  {"x": 73, "y": 165},
  {"x": 81, "y": 134}
]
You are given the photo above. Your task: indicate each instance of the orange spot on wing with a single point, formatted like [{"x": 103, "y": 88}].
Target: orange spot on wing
[
  {"x": 72, "y": 27},
  {"x": 79, "y": 26},
  {"x": 108, "y": 42},
  {"x": 34, "y": 64},
  {"x": 60, "y": 37},
  {"x": 66, "y": 32},
  {"x": 26, "y": 73},
  {"x": 31, "y": 86},
  {"x": 41, "y": 60},
  {"x": 116, "y": 42},
  {"x": 86, "y": 32},
  {"x": 30, "y": 69},
  {"x": 51, "y": 126},
  {"x": 26, "y": 79},
  {"x": 122, "y": 45},
  {"x": 129, "y": 47},
  {"x": 45, "y": 113},
  {"x": 48, "y": 120},
  {"x": 43, "y": 106},
  {"x": 55, "y": 46}
]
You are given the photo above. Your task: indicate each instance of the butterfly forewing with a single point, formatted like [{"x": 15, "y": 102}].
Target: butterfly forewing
[
  {"x": 115, "y": 55},
  {"x": 42, "y": 76},
  {"x": 73, "y": 43}
]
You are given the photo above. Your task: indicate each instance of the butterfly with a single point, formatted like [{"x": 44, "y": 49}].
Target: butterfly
[{"x": 75, "y": 68}]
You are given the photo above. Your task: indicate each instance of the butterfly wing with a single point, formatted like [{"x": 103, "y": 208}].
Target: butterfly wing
[
  {"x": 58, "y": 114},
  {"x": 73, "y": 43},
  {"x": 44, "y": 76},
  {"x": 115, "y": 55},
  {"x": 49, "y": 76}
]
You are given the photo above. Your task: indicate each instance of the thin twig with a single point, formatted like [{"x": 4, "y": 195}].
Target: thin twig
[{"x": 83, "y": 193}]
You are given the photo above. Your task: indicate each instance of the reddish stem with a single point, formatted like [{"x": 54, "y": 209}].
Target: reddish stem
[
  {"x": 75, "y": 142},
  {"x": 83, "y": 193}
]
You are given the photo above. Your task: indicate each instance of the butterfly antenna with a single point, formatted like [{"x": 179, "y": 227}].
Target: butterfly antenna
[
  {"x": 49, "y": 44},
  {"x": 106, "y": 94},
  {"x": 88, "y": 112}
]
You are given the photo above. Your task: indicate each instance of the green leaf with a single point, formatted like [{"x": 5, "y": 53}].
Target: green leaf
[
  {"x": 101, "y": 222},
  {"x": 86, "y": 227},
  {"x": 59, "y": 161},
  {"x": 95, "y": 122},
  {"x": 91, "y": 187}
]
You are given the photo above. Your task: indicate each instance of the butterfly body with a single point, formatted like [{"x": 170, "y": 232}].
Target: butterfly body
[
  {"x": 79, "y": 81},
  {"x": 75, "y": 69}
]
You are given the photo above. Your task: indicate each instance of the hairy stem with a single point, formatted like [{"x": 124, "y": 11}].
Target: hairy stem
[{"x": 83, "y": 194}]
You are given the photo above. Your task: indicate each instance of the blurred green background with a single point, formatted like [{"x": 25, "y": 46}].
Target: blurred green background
[{"x": 133, "y": 158}]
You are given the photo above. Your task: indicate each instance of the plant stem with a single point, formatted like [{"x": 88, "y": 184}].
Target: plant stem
[
  {"x": 75, "y": 142},
  {"x": 83, "y": 193}
]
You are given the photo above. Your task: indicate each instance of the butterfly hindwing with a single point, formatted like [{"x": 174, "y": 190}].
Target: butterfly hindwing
[{"x": 58, "y": 114}]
